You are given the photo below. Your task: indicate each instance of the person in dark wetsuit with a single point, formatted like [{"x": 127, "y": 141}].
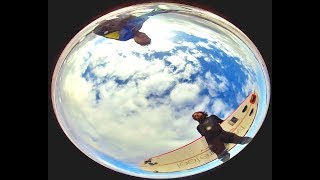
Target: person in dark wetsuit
[
  {"x": 210, "y": 128},
  {"x": 126, "y": 27}
]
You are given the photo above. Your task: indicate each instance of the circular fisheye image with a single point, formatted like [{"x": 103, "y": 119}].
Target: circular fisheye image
[{"x": 160, "y": 90}]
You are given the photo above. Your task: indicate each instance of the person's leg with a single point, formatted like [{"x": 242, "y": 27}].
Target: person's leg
[
  {"x": 224, "y": 156},
  {"x": 245, "y": 140},
  {"x": 229, "y": 137},
  {"x": 216, "y": 145}
]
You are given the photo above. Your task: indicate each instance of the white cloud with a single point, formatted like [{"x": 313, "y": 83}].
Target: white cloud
[
  {"x": 178, "y": 60},
  {"x": 188, "y": 71},
  {"x": 203, "y": 104},
  {"x": 223, "y": 85},
  {"x": 196, "y": 53},
  {"x": 224, "y": 40},
  {"x": 125, "y": 124},
  {"x": 205, "y": 45},
  {"x": 207, "y": 59},
  {"x": 190, "y": 45},
  {"x": 218, "y": 60},
  {"x": 219, "y": 107},
  {"x": 184, "y": 93},
  {"x": 249, "y": 86},
  {"x": 213, "y": 86},
  {"x": 160, "y": 34},
  {"x": 239, "y": 98},
  {"x": 156, "y": 84}
]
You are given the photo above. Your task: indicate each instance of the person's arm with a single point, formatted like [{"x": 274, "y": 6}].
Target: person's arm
[
  {"x": 201, "y": 130},
  {"x": 216, "y": 118}
]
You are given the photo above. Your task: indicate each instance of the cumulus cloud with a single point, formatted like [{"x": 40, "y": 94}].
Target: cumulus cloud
[
  {"x": 220, "y": 108},
  {"x": 240, "y": 98},
  {"x": 213, "y": 86},
  {"x": 184, "y": 93},
  {"x": 135, "y": 112}
]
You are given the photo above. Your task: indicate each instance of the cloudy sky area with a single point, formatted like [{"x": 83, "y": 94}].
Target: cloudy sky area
[{"x": 131, "y": 102}]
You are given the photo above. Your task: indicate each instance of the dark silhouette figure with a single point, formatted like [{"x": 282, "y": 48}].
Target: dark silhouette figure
[
  {"x": 126, "y": 27},
  {"x": 210, "y": 128}
]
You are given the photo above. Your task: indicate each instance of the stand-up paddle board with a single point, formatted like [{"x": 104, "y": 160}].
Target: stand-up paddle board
[{"x": 197, "y": 152}]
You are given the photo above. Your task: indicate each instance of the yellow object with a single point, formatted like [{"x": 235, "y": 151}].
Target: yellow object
[{"x": 113, "y": 35}]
